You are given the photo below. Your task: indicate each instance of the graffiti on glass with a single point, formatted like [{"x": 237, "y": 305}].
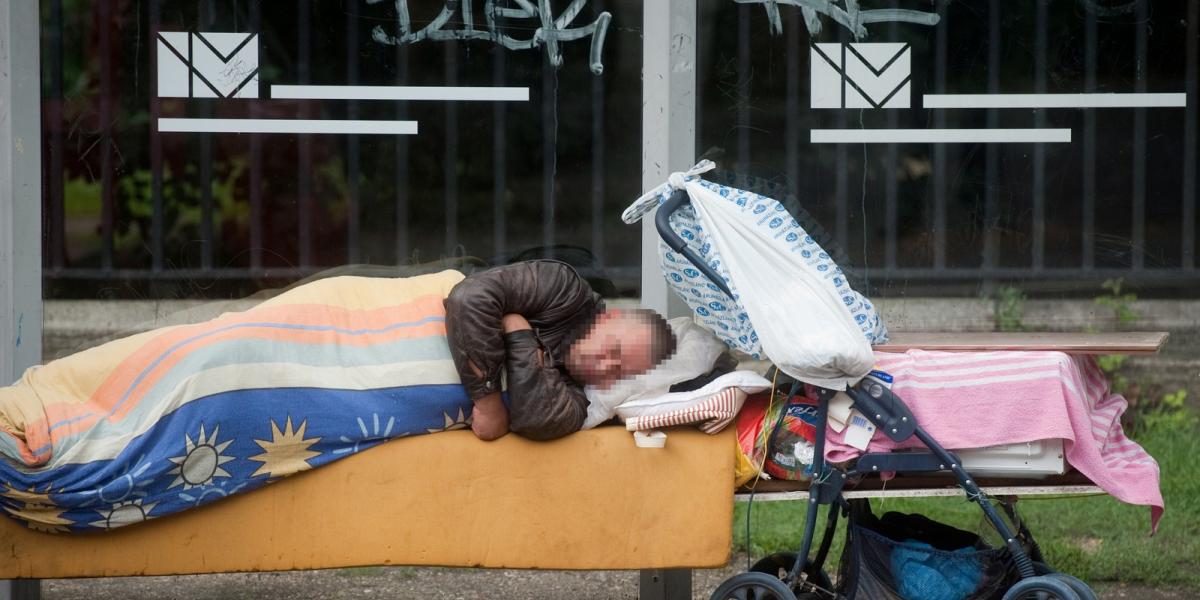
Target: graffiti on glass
[
  {"x": 545, "y": 30},
  {"x": 851, "y": 15}
]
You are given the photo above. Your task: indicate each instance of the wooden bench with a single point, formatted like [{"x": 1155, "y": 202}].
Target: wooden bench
[
  {"x": 306, "y": 520},
  {"x": 1132, "y": 342},
  {"x": 591, "y": 500}
]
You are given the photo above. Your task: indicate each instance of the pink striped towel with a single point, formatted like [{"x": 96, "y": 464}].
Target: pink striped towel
[
  {"x": 712, "y": 414},
  {"x": 979, "y": 399}
]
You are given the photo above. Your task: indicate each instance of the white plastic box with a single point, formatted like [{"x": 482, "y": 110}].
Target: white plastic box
[{"x": 1032, "y": 460}]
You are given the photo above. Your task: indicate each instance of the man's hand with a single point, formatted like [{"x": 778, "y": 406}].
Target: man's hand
[
  {"x": 513, "y": 323},
  {"x": 489, "y": 417}
]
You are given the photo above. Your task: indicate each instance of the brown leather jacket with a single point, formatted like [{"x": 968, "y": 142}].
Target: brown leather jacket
[{"x": 544, "y": 402}]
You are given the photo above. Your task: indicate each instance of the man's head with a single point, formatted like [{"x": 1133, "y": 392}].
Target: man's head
[{"x": 620, "y": 344}]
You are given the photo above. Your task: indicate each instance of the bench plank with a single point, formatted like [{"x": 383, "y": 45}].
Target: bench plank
[
  {"x": 1124, "y": 342},
  {"x": 942, "y": 492}
]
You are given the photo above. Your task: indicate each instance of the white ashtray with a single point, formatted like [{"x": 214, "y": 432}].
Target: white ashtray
[{"x": 650, "y": 439}]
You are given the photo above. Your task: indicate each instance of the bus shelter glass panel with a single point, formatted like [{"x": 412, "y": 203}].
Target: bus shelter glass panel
[
  {"x": 957, "y": 148},
  {"x": 212, "y": 149}
]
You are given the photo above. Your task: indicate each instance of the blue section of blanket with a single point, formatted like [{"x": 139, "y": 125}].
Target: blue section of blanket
[{"x": 225, "y": 444}]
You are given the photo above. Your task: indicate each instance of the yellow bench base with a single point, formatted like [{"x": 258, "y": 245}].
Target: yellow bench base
[{"x": 591, "y": 500}]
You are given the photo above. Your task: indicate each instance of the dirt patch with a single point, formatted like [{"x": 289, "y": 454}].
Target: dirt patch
[{"x": 424, "y": 583}]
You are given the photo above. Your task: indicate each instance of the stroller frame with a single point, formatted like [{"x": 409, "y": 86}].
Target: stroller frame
[{"x": 888, "y": 413}]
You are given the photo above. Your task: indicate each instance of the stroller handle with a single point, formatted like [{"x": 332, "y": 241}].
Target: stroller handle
[{"x": 662, "y": 222}]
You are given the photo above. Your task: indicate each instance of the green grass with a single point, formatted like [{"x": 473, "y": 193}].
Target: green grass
[{"x": 1094, "y": 538}]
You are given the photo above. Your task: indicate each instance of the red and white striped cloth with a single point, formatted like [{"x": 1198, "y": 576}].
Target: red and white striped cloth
[
  {"x": 713, "y": 413},
  {"x": 979, "y": 399}
]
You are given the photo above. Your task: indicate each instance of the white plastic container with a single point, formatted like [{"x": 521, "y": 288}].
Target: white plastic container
[
  {"x": 650, "y": 439},
  {"x": 1034, "y": 460}
]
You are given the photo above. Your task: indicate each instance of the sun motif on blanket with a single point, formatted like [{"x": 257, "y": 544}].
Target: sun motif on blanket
[
  {"x": 201, "y": 461},
  {"x": 39, "y": 512},
  {"x": 27, "y": 496},
  {"x": 451, "y": 422},
  {"x": 124, "y": 513},
  {"x": 286, "y": 452}
]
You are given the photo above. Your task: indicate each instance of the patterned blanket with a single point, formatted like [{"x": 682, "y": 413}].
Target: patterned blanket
[{"x": 148, "y": 425}]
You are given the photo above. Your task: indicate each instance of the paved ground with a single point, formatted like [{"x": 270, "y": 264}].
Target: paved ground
[{"x": 395, "y": 583}]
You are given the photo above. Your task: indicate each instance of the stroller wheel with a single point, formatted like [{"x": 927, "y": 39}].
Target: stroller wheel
[
  {"x": 1043, "y": 587},
  {"x": 1080, "y": 588},
  {"x": 780, "y": 563},
  {"x": 754, "y": 586}
]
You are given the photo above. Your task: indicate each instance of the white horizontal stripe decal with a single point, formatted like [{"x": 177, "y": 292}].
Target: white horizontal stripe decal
[
  {"x": 938, "y": 136},
  {"x": 1171, "y": 100},
  {"x": 399, "y": 92},
  {"x": 345, "y": 126}
]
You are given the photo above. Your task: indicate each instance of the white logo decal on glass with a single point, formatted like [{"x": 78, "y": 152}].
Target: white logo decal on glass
[
  {"x": 867, "y": 75},
  {"x": 207, "y": 65}
]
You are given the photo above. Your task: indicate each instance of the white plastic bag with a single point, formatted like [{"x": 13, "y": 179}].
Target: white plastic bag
[{"x": 791, "y": 302}]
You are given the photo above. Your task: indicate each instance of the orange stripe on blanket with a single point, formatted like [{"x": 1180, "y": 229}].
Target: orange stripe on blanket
[
  {"x": 113, "y": 404},
  {"x": 102, "y": 401},
  {"x": 33, "y": 438},
  {"x": 107, "y": 400}
]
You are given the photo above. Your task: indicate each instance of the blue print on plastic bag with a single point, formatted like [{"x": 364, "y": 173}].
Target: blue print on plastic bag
[{"x": 726, "y": 316}]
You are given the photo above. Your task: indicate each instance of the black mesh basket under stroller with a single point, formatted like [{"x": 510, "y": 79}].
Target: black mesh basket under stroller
[{"x": 904, "y": 557}]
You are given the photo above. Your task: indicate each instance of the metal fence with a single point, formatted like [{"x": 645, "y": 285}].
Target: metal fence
[
  {"x": 754, "y": 135},
  {"x": 595, "y": 163}
]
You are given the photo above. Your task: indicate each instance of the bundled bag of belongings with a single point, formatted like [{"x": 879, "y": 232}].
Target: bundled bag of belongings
[{"x": 790, "y": 301}]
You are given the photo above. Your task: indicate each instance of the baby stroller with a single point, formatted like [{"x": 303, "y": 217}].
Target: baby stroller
[{"x": 1016, "y": 571}]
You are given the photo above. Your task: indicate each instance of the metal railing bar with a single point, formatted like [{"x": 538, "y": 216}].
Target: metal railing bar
[
  {"x": 499, "y": 159},
  {"x": 225, "y": 274},
  {"x": 450, "y": 164},
  {"x": 891, "y": 185},
  {"x": 991, "y": 200},
  {"x": 792, "y": 109},
  {"x": 205, "y": 183},
  {"x": 353, "y": 148},
  {"x": 54, "y": 177},
  {"x": 743, "y": 88},
  {"x": 108, "y": 202},
  {"x": 1190, "y": 137},
  {"x": 1089, "y": 142},
  {"x": 1041, "y": 43},
  {"x": 403, "y": 243},
  {"x": 256, "y": 178},
  {"x": 1138, "y": 210},
  {"x": 549, "y": 151},
  {"x": 598, "y": 148},
  {"x": 940, "y": 164},
  {"x": 156, "y": 151}
]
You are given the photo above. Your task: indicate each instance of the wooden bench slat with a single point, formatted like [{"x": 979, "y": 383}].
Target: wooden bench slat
[{"x": 1125, "y": 342}]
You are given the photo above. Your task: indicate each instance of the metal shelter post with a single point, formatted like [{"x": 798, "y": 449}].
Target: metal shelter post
[
  {"x": 668, "y": 144},
  {"x": 668, "y": 122},
  {"x": 20, "y": 209}
]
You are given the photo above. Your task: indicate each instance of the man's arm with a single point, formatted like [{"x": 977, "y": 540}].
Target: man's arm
[
  {"x": 540, "y": 291},
  {"x": 546, "y": 403},
  {"x": 489, "y": 417}
]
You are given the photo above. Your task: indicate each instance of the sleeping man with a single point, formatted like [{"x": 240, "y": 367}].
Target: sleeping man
[
  {"x": 542, "y": 323},
  {"x": 177, "y": 416}
]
